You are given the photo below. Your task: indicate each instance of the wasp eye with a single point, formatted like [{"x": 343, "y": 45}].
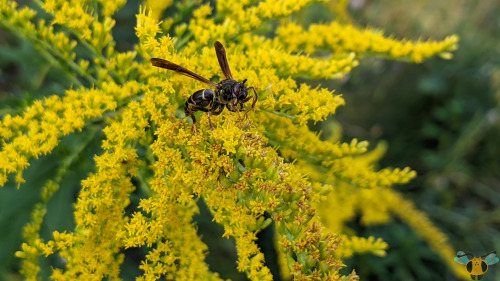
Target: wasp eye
[{"x": 237, "y": 90}]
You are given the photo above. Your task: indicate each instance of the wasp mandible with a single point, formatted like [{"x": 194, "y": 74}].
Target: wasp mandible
[{"x": 227, "y": 93}]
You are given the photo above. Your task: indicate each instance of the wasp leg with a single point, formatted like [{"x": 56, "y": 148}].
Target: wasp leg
[
  {"x": 216, "y": 109},
  {"x": 190, "y": 109},
  {"x": 255, "y": 97},
  {"x": 241, "y": 107},
  {"x": 199, "y": 101},
  {"x": 232, "y": 107},
  {"x": 210, "y": 122}
]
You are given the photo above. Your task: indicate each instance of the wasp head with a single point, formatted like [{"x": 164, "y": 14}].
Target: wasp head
[{"x": 240, "y": 90}]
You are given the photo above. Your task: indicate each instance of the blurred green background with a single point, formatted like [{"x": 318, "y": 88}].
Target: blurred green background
[{"x": 440, "y": 117}]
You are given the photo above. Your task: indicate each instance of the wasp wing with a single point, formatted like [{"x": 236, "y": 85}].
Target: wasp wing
[
  {"x": 222, "y": 58},
  {"x": 461, "y": 258},
  {"x": 491, "y": 258},
  {"x": 179, "y": 69}
]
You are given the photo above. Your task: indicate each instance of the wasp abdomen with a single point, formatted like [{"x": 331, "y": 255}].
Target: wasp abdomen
[
  {"x": 202, "y": 97},
  {"x": 199, "y": 101}
]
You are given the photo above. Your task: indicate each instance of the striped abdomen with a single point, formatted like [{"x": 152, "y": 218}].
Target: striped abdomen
[{"x": 200, "y": 99}]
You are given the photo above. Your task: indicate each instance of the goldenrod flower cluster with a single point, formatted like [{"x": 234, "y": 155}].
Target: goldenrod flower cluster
[
  {"x": 342, "y": 38},
  {"x": 269, "y": 162},
  {"x": 376, "y": 205}
]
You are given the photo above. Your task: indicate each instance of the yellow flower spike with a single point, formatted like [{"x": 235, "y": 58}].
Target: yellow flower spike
[
  {"x": 19, "y": 148},
  {"x": 351, "y": 245},
  {"x": 346, "y": 38},
  {"x": 377, "y": 206},
  {"x": 406, "y": 211}
]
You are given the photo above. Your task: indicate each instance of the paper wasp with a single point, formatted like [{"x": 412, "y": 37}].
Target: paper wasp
[{"x": 227, "y": 93}]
